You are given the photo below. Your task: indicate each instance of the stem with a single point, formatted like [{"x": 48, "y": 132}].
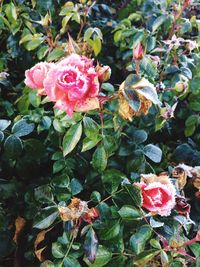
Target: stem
[
  {"x": 105, "y": 199},
  {"x": 70, "y": 245}
]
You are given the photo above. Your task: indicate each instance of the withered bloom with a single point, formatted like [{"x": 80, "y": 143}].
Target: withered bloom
[
  {"x": 74, "y": 210},
  {"x": 91, "y": 215},
  {"x": 181, "y": 175},
  {"x": 182, "y": 207},
  {"x": 125, "y": 109}
]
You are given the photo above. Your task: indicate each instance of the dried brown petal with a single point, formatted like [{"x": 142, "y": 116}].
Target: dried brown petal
[
  {"x": 150, "y": 178},
  {"x": 181, "y": 175}
]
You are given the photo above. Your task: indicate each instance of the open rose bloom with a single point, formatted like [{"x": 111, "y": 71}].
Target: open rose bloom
[
  {"x": 72, "y": 83},
  {"x": 158, "y": 194}
]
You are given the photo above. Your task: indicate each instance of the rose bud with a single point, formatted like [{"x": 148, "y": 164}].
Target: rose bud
[
  {"x": 182, "y": 207},
  {"x": 103, "y": 73},
  {"x": 91, "y": 215},
  {"x": 138, "y": 53}
]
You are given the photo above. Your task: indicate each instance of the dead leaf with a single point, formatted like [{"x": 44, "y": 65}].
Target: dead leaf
[
  {"x": 19, "y": 226},
  {"x": 39, "y": 255},
  {"x": 40, "y": 237}
]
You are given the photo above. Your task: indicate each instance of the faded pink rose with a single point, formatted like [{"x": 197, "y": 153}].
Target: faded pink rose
[
  {"x": 157, "y": 197},
  {"x": 36, "y": 75},
  {"x": 73, "y": 84}
]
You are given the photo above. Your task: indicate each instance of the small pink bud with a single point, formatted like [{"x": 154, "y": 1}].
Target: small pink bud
[{"x": 138, "y": 53}]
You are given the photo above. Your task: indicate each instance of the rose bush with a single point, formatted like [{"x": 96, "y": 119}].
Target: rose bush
[{"x": 99, "y": 133}]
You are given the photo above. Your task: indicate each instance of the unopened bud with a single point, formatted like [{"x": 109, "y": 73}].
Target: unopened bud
[
  {"x": 103, "y": 73},
  {"x": 138, "y": 53}
]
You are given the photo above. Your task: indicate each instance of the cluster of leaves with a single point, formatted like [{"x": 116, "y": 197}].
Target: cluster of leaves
[{"x": 47, "y": 157}]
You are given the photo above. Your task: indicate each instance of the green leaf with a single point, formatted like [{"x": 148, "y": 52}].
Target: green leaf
[
  {"x": 158, "y": 22},
  {"x": 99, "y": 159},
  {"x": 111, "y": 231},
  {"x": 41, "y": 53},
  {"x": 154, "y": 153},
  {"x": 76, "y": 186},
  {"x": 95, "y": 196},
  {"x": 43, "y": 194},
  {"x": 112, "y": 179},
  {"x": 33, "y": 44},
  {"x": 70, "y": 261},
  {"x": 108, "y": 87},
  {"x": 91, "y": 128},
  {"x": 89, "y": 144},
  {"x": 1, "y": 136},
  {"x": 11, "y": 12},
  {"x": 57, "y": 250},
  {"x": 139, "y": 136},
  {"x": 46, "y": 222},
  {"x": 139, "y": 239},
  {"x": 135, "y": 193},
  {"x": 191, "y": 120},
  {"x": 22, "y": 128},
  {"x": 4, "y": 124},
  {"x": 144, "y": 257},
  {"x": 72, "y": 138},
  {"x": 103, "y": 256},
  {"x": 55, "y": 54},
  {"x": 13, "y": 146},
  {"x": 129, "y": 213},
  {"x": 96, "y": 45}
]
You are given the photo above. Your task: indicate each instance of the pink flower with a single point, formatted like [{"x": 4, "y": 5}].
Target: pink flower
[
  {"x": 159, "y": 198},
  {"x": 73, "y": 84},
  {"x": 36, "y": 75}
]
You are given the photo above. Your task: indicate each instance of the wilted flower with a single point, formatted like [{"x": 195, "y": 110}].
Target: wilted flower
[
  {"x": 135, "y": 92},
  {"x": 158, "y": 194},
  {"x": 138, "y": 53},
  {"x": 74, "y": 210},
  {"x": 91, "y": 215},
  {"x": 181, "y": 172},
  {"x": 182, "y": 207}
]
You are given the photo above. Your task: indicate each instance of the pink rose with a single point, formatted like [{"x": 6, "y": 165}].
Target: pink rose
[
  {"x": 73, "y": 84},
  {"x": 159, "y": 198},
  {"x": 36, "y": 75}
]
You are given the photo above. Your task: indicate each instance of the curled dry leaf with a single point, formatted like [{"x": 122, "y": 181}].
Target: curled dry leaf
[
  {"x": 40, "y": 237},
  {"x": 39, "y": 254},
  {"x": 19, "y": 226}
]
